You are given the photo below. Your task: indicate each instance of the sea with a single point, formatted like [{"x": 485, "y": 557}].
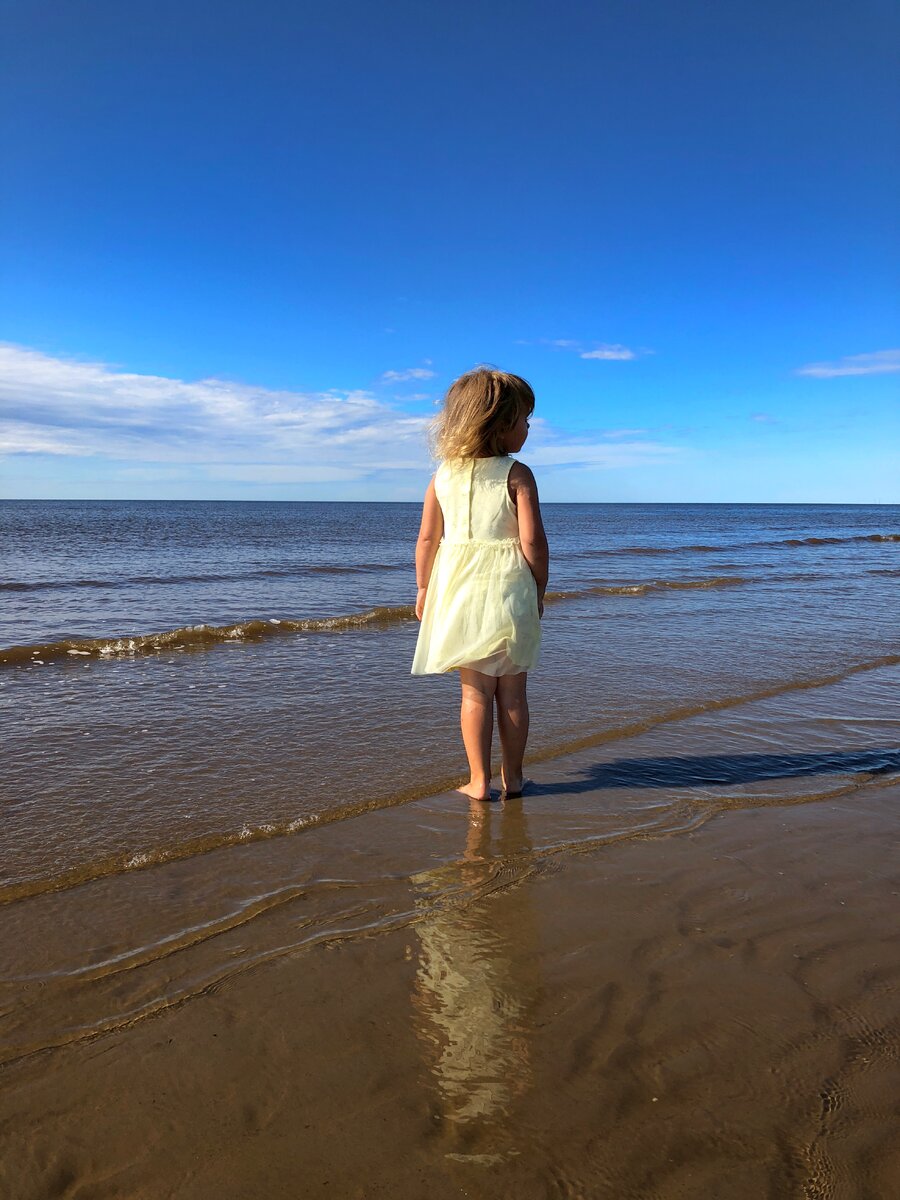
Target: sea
[
  {"x": 178, "y": 677},
  {"x": 214, "y": 754}
]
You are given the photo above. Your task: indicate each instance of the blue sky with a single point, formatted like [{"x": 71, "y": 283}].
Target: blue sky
[{"x": 246, "y": 246}]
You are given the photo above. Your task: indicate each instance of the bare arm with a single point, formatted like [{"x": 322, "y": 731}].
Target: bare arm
[
  {"x": 430, "y": 533},
  {"x": 523, "y": 489}
]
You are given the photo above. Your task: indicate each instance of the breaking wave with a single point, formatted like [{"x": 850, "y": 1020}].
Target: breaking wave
[
  {"x": 254, "y": 630},
  {"x": 198, "y": 636}
]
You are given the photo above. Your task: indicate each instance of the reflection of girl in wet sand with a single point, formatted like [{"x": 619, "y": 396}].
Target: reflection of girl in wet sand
[{"x": 476, "y": 983}]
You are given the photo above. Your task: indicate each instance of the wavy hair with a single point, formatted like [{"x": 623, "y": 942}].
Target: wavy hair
[{"x": 479, "y": 409}]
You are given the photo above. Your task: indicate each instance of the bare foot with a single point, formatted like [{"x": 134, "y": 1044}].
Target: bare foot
[
  {"x": 473, "y": 792},
  {"x": 513, "y": 787}
]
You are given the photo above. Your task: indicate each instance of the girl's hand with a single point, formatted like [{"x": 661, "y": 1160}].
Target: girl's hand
[{"x": 420, "y": 602}]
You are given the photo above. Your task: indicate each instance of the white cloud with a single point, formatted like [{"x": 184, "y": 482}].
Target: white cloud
[
  {"x": 549, "y": 447},
  {"x": 880, "y": 362},
  {"x": 610, "y": 353},
  {"x": 283, "y": 473},
  {"x": 569, "y": 452},
  {"x": 20, "y": 437},
  {"x": 219, "y": 430},
  {"x": 405, "y": 376},
  {"x": 66, "y": 407}
]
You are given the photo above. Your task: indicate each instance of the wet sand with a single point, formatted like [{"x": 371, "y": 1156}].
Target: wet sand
[{"x": 707, "y": 1011}]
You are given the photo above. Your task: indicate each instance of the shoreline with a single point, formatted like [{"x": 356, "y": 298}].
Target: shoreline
[{"x": 661, "y": 730}]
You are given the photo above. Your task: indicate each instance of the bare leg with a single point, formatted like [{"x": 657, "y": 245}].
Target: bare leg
[
  {"x": 476, "y": 719},
  {"x": 512, "y": 720}
]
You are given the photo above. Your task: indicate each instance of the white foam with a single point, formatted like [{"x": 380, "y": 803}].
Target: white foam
[
  {"x": 302, "y": 822},
  {"x": 122, "y": 646}
]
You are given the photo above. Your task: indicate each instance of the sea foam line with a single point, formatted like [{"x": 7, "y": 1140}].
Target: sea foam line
[
  {"x": 197, "y": 636},
  {"x": 254, "y": 630}
]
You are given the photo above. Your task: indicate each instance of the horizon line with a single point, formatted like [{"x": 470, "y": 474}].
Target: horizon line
[{"x": 544, "y": 503}]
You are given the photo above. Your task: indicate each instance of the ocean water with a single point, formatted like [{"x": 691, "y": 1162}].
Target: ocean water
[
  {"x": 178, "y": 677},
  {"x": 213, "y": 753}
]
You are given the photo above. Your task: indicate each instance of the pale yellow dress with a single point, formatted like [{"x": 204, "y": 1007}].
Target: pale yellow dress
[{"x": 481, "y": 608}]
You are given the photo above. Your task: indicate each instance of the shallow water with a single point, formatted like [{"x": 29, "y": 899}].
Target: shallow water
[
  {"x": 135, "y": 735},
  {"x": 108, "y": 949}
]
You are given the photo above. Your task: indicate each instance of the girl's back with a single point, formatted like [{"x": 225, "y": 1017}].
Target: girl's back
[
  {"x": 475, "y": 500},
  {"x": 482, "y": 606}
]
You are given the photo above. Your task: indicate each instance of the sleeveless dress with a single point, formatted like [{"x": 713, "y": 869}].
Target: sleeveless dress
[{"x": 481, "y": 606}]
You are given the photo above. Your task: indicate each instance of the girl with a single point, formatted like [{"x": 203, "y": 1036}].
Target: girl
[{"x": 481, "y": 568}]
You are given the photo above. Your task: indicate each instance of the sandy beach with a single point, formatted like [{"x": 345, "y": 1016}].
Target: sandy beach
[
  {"x": 709, "y": 1009},
  {"x": 253, "y": 947}
]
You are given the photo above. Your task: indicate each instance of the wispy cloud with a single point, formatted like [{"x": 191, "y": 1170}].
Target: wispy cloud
[
  {"x": 607, "y": 450},
  {"x": 151, "y": 425},
  {"x": 67, "y": 407},
  {"x": 764, "y": 418},
  {"x": 606, "y": 351},
  {"x": 604, "y": 456},
  {"x": 610, "y": 353},
  {"x": 880, "y": 362},
  {"x": 409, "y": 373}
]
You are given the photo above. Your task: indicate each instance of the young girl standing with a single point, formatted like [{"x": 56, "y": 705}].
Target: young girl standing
[{"x": 481, "y": 568}]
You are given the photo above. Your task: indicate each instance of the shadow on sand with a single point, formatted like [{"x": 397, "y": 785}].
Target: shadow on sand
[{"x": 721, "y": 770}]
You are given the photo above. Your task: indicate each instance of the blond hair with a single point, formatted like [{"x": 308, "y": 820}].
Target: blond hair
[{"x": 479, "y": 409}]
